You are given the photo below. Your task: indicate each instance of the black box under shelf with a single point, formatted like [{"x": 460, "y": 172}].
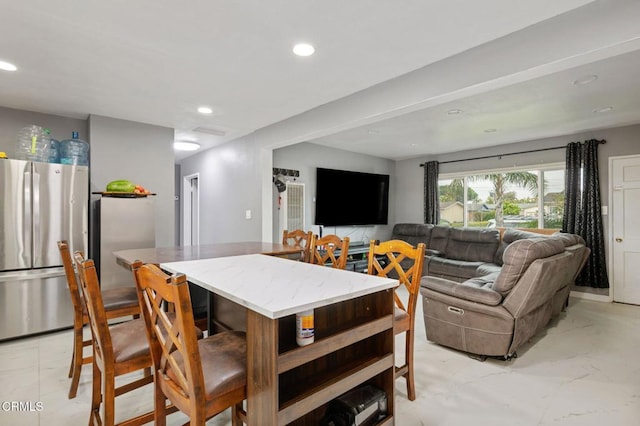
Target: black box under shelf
[{"x": 362, "y": 406}]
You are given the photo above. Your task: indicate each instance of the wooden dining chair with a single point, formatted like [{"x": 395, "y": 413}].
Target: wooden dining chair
[
  {"x": 201, "y": 378},
  {"x": 117, "y": 350},
  {"x": 324, "y": 251},
  {"x": 298, "y": 238},
  {"x": 118, "y": 302},
  {"x": 400, "y": 260}
]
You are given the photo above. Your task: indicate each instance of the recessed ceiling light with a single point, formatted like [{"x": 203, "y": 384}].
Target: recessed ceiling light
[
  {"x": 454, "y": 111},
  {"x": 185, "y": 146},
  {"x": 205, "y": 110},
  {"x": 303, "y": 49},
  {"x": 585, "y": 80},
  {"x": 490, "y": 130},
  {"x": 7, "y": 66},
  {"x": 605, "y": 109},
  {"x": 373, "y": 131}
]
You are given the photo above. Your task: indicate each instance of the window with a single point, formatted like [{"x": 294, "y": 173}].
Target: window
[{"x": 514, "y": 198}]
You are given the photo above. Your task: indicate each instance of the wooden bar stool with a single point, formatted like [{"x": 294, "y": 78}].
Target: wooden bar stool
[
  {"x": 324, "y": 250},
  {"x": 118, "y": 302},
  {"x": 201, "y": 378},
  {"x": 118, "y": 349},
  {"x": 403, "y": 262}
]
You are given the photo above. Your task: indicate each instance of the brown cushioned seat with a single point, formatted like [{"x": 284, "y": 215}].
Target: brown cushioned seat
[
  {"x": 222, "y": 368},
  {"x": 129, "y": 339},
  {"x": 401, "y": 319},
  {"x": 120, "y": 298}
]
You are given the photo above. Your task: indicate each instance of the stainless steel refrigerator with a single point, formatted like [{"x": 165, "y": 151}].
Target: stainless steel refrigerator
[{"x": 40, "y": 204}]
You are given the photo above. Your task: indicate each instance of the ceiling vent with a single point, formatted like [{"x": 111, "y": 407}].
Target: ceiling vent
[{"x": 215, "y": 132}]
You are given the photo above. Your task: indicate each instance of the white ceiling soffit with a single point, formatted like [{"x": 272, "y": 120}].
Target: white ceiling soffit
[
  {"x": 156, "y": 61},
  {"x": 521, "y": 85}
]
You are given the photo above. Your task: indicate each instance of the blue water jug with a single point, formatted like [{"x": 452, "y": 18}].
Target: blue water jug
[
  {"x": 54, "y": 151},
  {"x": 74, "y": 151}
]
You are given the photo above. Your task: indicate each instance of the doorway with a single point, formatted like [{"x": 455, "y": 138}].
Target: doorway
[
  {"x": 191, "y": 210},
  {"x": 625, "y": 244}
]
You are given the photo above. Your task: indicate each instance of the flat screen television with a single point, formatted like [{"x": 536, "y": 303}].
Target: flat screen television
[{"x": 345, "y": 198}]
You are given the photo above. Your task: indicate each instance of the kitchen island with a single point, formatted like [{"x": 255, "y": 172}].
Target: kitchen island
[{"x": 354, "y": 342}]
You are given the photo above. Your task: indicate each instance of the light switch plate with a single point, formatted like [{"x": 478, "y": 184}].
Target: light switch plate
[{"x": 247, "y": 214}]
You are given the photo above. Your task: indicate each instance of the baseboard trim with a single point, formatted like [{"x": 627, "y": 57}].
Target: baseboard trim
[{"x": 591, "y": 296}]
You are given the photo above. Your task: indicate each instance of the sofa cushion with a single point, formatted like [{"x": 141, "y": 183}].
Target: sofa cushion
[
  {"x": 487, "y": 268},
  {"x": 431, "y": 252},
  {"x": 475, "y": 245},
  {"x": 444, "y": 267},
  {"x": 510, "y": 235},
  {"x": 569, "y": 239},
  {"x": 497, "y": 258},
  {"x": 439, "y": 238},
  {"x": 519, "y": 255},
  {"x": 413, "y": 233},
  {"x": 475, "y": 289}
]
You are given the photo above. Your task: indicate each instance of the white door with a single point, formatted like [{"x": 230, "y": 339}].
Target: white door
[
  {"x": 191, "y": 210},
  {"x": 625, "y": 181}
]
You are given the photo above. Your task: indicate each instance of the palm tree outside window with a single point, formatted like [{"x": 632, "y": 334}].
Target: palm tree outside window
[{"x": 513, "y": 198}]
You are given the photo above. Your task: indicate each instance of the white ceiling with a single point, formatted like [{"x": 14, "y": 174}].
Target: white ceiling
[{"x": 157, "y": 61}]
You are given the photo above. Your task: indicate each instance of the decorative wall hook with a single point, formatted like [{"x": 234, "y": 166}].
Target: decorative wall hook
[{"x": 286, "y": 172}]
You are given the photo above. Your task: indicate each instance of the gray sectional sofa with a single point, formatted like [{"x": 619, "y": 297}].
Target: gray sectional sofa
[
  {"x": 454, "y": 253},
  {"x": 487, "y": 295}
]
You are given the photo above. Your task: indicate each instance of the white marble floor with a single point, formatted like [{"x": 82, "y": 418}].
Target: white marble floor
[{"x": 583, "y": 370}]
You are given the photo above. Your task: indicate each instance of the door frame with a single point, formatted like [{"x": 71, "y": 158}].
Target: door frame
[
  {"x": 187, "y": 210},
  {"x": 610, "y": 241}
]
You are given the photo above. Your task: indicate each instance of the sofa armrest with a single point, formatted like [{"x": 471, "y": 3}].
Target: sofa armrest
[
  {"x": 474, "y": 290},
  {"x": 432, "y": 252}
]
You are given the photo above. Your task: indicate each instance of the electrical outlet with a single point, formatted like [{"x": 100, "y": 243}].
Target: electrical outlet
[{"x": 605, "y": 210}]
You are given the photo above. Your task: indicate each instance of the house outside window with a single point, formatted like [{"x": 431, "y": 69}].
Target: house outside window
[{"x": 514, "y": 198}]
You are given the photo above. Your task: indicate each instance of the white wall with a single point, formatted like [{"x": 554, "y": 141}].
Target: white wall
[
  {"x": 230, "y": 183},
  {"x": 306, "y": 157},
  {"x": 141, "y": 153}
]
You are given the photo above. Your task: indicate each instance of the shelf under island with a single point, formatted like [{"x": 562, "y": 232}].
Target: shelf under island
[{"x": 288, "y": 384}]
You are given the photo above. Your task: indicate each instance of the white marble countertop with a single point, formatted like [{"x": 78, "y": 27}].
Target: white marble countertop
[{"x": 276, "y": 287}]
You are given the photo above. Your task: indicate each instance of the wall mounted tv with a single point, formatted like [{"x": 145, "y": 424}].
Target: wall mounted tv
[{"x": 345, "y": 198}]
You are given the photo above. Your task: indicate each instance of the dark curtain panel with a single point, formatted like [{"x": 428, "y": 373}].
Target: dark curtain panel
[
  {"x": 594, "y": 273},
  {"x": 582, "y": 209},
  {"x": 572, "y": 185},
  {"x": 431, "y": 198}
]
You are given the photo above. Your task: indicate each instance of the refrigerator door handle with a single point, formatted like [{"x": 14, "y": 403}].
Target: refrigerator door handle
[
  {"x": 27, "y": 226},
  {"x": 36, "y": 217}
]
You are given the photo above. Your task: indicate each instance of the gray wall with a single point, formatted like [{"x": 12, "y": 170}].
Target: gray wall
[
  {"x": 305, "y": 157},
  {"x": 409, "y": 174},
  {"x": 12, "y": 120},
  {"x": 229, "y": 185},
  {"x": 141, "y": 153}
]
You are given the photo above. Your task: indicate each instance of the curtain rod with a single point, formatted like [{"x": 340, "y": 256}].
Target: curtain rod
[{"x": 602, "y": 142}]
